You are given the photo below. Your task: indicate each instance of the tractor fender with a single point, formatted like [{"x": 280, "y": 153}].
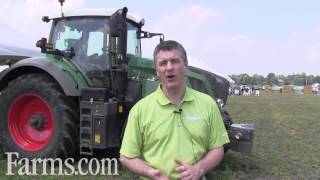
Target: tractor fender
[{"x": 33, "y": 65}]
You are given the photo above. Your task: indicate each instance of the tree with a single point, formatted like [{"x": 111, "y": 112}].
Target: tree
[
  {"x": 272, "y": 79},
  {"x": 257, "y": 80},
  {"x": 300, "y": 79},
  {"x": 236, "y": 78},
  {"x": 245, "y": 79},
  {"x": 310, "y": 80},
  {"x": 316, "y": 79}
]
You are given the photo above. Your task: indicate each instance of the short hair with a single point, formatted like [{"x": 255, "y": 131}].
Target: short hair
[{"x": 169, "y": 45}]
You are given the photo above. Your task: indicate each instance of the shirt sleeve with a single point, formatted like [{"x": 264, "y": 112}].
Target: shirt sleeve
[
  {"x": 218, "y": 135},
  {"x": 132, "y": 139}
]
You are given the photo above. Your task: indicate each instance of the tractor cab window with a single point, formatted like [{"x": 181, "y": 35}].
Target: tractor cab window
[
  {"x": 95, "y": 44},
  {"x": 133, "y": 43},
  {"x": 66, "y": 38},
  {"x": 88, "y": 37}
]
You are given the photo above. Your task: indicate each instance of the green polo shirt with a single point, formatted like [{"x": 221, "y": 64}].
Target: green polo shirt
[{"x": 158, "y": 133}]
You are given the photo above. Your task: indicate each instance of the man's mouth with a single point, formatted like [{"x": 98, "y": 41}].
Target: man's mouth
[{"x": 170, "y": 77}]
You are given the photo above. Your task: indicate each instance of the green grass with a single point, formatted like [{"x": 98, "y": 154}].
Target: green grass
[{"x": 287, "y": 140}]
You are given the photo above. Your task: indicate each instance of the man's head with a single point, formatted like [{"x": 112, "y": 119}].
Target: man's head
[
  {"x": 168, "y": 46},
  {"x": 171, "y": 63}
]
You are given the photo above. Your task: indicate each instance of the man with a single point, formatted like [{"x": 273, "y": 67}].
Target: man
[
  {"x": 257, "y": 92},
  {"x": 175, "y": 132}
]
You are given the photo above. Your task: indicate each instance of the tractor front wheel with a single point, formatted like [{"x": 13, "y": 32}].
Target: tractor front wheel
[{"x": 37, "y": 119}]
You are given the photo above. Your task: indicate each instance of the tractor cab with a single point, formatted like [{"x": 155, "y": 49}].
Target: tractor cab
[{"x": 96, "y": 41}]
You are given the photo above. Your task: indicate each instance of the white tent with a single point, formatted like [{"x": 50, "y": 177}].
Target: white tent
[{"x": 315, "y": 87}]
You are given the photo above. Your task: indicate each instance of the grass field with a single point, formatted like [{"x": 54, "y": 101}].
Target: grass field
[{"x": 287, "y": 140}]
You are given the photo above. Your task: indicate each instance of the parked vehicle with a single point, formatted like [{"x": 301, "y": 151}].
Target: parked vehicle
[{"x": 76, "y": 96}]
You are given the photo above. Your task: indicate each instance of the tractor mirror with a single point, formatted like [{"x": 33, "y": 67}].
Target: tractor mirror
[
  {"x": 118, "y": 29},
  {"x": 118, "y": 22},
  {"x": 45, "y": 19},
  {"x": 43, "y": 45}
]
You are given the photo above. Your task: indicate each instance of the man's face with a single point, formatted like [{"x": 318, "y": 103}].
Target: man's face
[{"x": 171, "y": 68}]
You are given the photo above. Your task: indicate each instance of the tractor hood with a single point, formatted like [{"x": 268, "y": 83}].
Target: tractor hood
[{"x": 219, "y": 84}]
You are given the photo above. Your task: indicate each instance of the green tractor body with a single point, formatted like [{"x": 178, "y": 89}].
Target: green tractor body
[{"x": 76, "y": 96}]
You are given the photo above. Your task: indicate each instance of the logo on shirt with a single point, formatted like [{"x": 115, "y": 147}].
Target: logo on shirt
[{"x": 192, "y": 117}]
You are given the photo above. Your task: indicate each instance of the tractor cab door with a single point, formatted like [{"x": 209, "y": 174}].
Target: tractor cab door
[{"x": 118, "y": 52}]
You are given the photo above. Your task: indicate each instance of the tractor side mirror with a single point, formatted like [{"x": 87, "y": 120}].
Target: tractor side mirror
[
  {"x": 43, "y": 45},
  {"x": 118, "y": 29},
  {"x": 118, "y": 22},
  {"x": 45, "y": 19}
]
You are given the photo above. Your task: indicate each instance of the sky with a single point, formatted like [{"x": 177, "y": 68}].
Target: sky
[{"x": 226, "y": 36}]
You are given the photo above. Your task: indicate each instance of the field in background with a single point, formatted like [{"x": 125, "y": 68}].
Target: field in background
[
  {"x": 287, "y": 143},
  {"x": 287, "y": 139}
]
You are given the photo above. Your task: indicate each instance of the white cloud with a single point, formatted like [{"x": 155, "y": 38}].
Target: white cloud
[
  {"x": 192, "y": 61},
  {"x": 200, "y": 30},
  {"x": 313, "y": 55},
  {"x": 293, "y": 53},
  {"x": 24, "y": 17},
  {"x": 186, "y": 24},
  {"x": 307, "y": 45}
]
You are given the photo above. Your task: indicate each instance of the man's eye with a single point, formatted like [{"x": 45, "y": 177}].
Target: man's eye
[
  {"x": 175, "y": 61},
  {"x": 162, "y": 63}
]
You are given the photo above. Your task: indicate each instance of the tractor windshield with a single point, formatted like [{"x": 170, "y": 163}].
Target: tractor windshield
[{"x": 89, "y": 39}]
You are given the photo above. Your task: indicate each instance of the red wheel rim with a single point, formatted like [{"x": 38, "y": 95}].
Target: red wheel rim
[{"x": 30, "y": 122}]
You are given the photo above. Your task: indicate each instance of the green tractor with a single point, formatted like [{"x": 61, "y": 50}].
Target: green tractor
[{"x": 76, "y": 96}]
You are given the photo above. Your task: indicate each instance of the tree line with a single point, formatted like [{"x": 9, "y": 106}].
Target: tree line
[{"x": 273, "y": 79}]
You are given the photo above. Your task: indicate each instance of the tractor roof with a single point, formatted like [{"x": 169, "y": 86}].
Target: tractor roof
[{"x": 93, "y": 12}]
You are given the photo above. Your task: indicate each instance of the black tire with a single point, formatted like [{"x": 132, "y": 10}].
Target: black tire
[{"x": 63, "y": 139}]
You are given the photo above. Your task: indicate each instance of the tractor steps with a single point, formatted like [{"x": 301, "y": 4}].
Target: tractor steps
[{"x": 86, "y": 136}]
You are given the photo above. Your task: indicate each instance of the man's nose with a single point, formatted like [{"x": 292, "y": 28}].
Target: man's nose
[{"x": 169, "y": 66}]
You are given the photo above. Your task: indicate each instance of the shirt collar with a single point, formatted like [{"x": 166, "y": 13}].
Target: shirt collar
[{"x": 163, "y": 99}]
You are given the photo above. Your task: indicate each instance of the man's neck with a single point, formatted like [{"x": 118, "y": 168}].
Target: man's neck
[{"x": 175, "y": 95}]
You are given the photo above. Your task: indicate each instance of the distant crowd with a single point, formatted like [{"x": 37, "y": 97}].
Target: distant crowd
[
  {"x": 248, "y": 90},
  {"x": 244, "y": 90}
]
